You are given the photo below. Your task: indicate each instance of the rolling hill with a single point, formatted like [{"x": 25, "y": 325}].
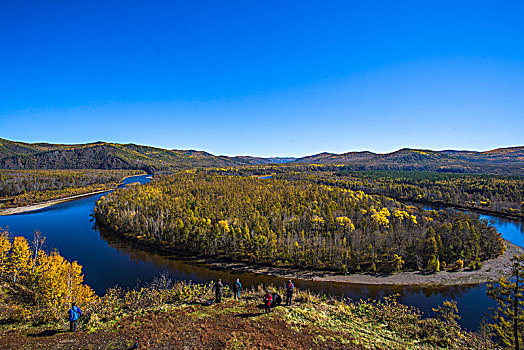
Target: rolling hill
[
  {"x": 506, "y": 161},
  {"x": 102, "y": 155}
]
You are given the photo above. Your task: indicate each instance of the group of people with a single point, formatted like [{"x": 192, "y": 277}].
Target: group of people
[
  {"x": 268, "y": 297},
  {"x": 75, "y": 312}
]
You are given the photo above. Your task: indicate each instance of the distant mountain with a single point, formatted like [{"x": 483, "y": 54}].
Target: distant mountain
[
  {"x": 337, "y": 158},
  {"x": 248, "y": 160},
  {"x": 496, "y": 156},
  {"x": 497, "y": 161},
  {"x": 102, "y": 155}
]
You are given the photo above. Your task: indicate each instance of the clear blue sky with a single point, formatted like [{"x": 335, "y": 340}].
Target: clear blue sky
[{"x": 265, "y": 78}]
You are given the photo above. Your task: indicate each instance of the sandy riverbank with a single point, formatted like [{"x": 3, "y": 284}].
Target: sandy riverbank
[
  {"x": 33, "y": 207},
  {"x": 491, "y": 270},
  {"x": 37, "y": 206}
]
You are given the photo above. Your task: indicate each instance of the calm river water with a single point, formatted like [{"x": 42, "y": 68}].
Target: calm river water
[{"x": 107, "y": 260}]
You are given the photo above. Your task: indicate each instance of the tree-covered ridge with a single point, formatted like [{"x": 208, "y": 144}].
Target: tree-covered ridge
[
  {"x": 295, "y": 223},
  {"x": 24, "y": 187},
  {"x": 502, "y": 161},
  {"x": 102, "y": 155}
]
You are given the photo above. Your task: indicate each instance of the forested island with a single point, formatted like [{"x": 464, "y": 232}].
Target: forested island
[{"x": 288, "y": 222}]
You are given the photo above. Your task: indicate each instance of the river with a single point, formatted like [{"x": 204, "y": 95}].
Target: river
[{"x": 108, "y": 260}]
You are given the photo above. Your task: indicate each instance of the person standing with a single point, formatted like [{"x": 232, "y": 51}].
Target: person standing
[
  {"x": 267, "y": 301},
  {"x": 290, "y": 287},
  {"x": 236, "y": 289},
  {"x": 218, "y": 291},
  {"x": 74, "y": 315}
]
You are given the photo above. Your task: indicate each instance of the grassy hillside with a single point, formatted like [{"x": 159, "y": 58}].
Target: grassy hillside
[{"x": 177, "y": 316}]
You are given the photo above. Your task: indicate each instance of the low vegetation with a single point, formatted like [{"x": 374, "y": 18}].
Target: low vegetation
[{"x": 167, "y": 314}]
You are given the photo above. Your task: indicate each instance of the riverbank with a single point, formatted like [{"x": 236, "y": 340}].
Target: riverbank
[
  {"x": 33, "y": 207},
  {"x": 479, "y": 210},
  {"x": 38, "y": 206},
  {"x": 491, "y": 270}
]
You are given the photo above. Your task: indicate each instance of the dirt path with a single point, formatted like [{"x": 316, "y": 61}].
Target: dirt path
[{"x": 491, "y": 270}]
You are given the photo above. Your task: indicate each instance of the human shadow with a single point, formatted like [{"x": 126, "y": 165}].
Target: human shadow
[
  {"x": 46, "y": 333},
  {"x": 249, "y": 314}
]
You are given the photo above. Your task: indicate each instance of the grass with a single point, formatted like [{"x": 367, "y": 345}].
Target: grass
[{"x": 313, "y": 322}]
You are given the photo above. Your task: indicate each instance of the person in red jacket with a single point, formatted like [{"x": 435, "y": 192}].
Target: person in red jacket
[{"x": 267, "y": 301}]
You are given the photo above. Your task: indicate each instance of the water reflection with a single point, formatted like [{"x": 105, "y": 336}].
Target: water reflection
[
  {"x": 510, "y": 228},
  {"x": 468, "y": 297}
]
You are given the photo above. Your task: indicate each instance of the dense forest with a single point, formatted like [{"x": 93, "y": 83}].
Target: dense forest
[
  {"x": 24, "y": 187},
  {"x": 296, "y": 222},
  {"x": 496, "y": 193}
]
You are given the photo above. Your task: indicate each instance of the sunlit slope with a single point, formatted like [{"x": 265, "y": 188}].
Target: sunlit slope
[{"x": 102, "y": 155}]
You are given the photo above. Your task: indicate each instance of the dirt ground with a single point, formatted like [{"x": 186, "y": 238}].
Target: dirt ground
[{"x": 230, "y": 325}]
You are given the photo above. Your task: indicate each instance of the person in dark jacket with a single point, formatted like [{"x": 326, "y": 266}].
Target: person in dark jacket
[
  {"x": 236, "y": 289},
  {"x": 74, "y": 314},
  {"x": 290, "y": 287},
  {"x": 218, "y": 291},
  {"x": 267, "y": 301}
]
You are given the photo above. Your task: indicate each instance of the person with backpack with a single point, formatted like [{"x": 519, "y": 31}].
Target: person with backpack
[
  {"x": 267, "y": 301},
  {"x": 74, "y": 314},
  {"x": 218, "y": 290},
  {"x": 290, "y": 287},
  {"x": 236, "y": 289}
]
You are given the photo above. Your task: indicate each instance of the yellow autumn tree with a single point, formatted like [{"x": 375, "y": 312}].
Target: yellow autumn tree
[
  {"x": 58, "y": 283},
  {"x": 5, "y": 247},
  {"x": 19, "y": 260}
]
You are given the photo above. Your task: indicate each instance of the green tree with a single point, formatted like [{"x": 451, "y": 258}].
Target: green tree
[{"x": 508, "y": 317}]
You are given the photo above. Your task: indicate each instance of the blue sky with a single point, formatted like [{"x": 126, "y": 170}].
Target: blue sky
[{"x": 265, "y": 78}]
